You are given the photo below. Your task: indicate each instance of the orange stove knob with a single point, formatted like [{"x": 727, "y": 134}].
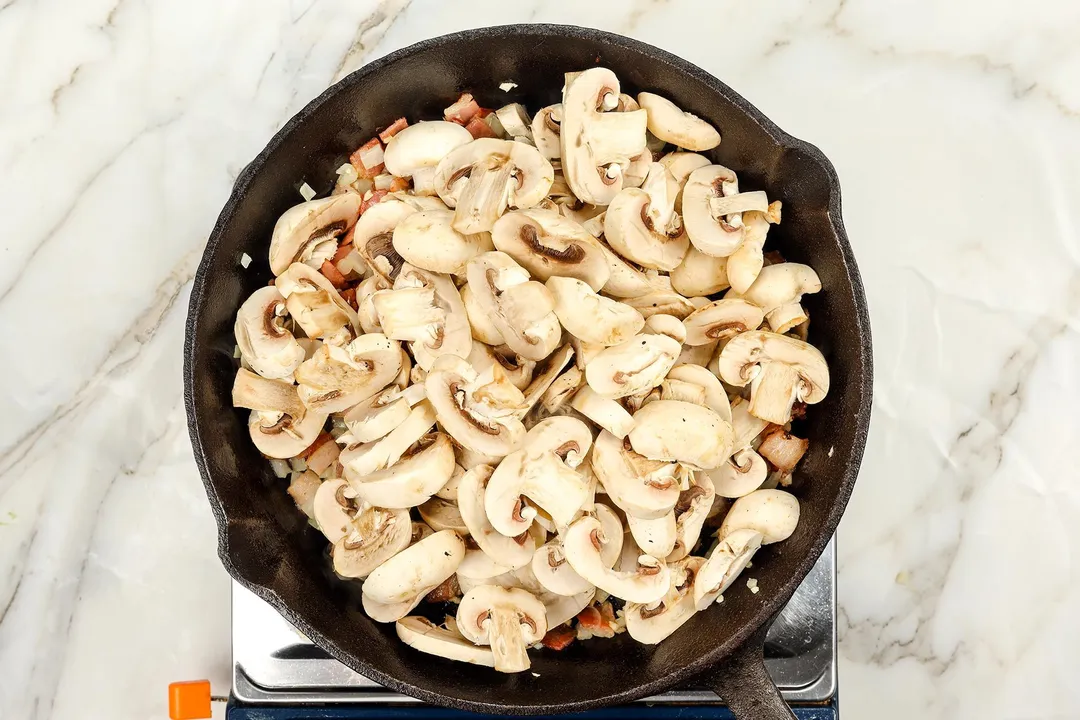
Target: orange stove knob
[{"x": 190, "y": 700}]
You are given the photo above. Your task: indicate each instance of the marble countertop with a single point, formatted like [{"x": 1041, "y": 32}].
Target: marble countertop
[{"x": 955, "y": 129}]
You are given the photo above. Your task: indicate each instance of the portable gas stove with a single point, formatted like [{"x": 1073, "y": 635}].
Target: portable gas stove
[{"x": 280, "y": 675}]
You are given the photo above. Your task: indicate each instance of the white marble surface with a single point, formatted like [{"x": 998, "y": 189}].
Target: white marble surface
[{"x": 955, "y": 128}]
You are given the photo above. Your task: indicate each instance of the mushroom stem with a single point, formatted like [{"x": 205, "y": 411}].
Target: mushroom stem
[
  {"x": 617, "y": 136},
  {"x": 773, "y": 392},
  {"x": 483, "y": 199},
  {"x": 507, "y": 642}
]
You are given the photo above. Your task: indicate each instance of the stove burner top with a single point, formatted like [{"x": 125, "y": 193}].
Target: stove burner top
[{"x": 275, "y": 664}]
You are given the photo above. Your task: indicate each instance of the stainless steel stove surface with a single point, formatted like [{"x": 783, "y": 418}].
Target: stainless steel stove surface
[{"x": 274, "y": 664}]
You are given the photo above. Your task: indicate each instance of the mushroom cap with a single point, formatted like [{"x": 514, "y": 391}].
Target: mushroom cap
[
  {"x": 336, "y": 378},
  {"x": 655, "y": 537},
  {"x": 669, "y": 325},
  {"x": 479, "y": 603},
  {"x": 715, "y": 396},
  {"x": 591, "y": 317},
  {"x": 721, "y": 319},
  {"x": 449, "y": 390},
  {"x": 706, "y": 232},
  {"x": 639, "y": 486},
  {"x": 264, "y": 343},
  {"x": 509, "y": 552},
  {"x": 667, "y": 122},
  {"x": 427, "y": 240},
  {"x": 605, "y": 412},
  {"x": 483, "y": 327},
  {"x": 650, "y": 625},
  {"x": 287, "y": 437},
  {"x": 333, "y": 509},
  {"x": 773, "y": 513},
  {"x": 449, "y": 334},
  {"x": 584, "y": 541},
  {"x": 691, "y": 512},
  {"x": 745, "y": 264},
  {"x": 742, "y": 474},
  {"x": 411, "y": 480},
  {"x": 567, "y": 437},
  {"x": 642, "y": 226},
  {"x": 679, "y": 431},
  {"x": 477, "y": 567},
  {"x": 423, "y": 145},
  {"x": 624, "y": 279},
  {"x": 427, "y": 637},
  {"x": 542, "y": 477},
  {"x": 547, "y": 245},
  {"x": 417, "y": 569},
  {"x": 374, "y": 536},
  {"x": 545, "y": 131},
  {"x": 308, "y": 223},
  {"x": 782, "y": 284},
  {"x": 632, "y": 366},
  {"x": 374, "y": 236},
  {"x": 780, "y": 370},
  {"x": 700, "y": 274},
  {"x": 661, "y": 299},
  {"x": 521, "y": 310},
  {"x": 725, "y": 563},
  {"x": 388, "y": 612},
  {"x": 315, "y": 304}
]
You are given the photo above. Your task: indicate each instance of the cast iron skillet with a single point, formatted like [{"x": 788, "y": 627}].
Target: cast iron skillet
[{"x": 264, "y": 540}]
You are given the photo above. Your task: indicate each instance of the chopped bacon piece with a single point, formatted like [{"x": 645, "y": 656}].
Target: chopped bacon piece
[
  {"x": 323, "y": 457},
  {"x": 323, "y": 438},
  {"x": 376, "y": 197},
  {"x": 347, "y": 238},
  {"x": 558, "y": 638},
  {"x": 462, "y": 110},
  {"x": 782, "y": 449},
  {"x": 448, "y": 589},
  {"x": 395, "y": 127},
  {"x": 607, "y": 612},
  {"x": 343, "y": 250},
  {"x": 349, "y": 296},
  {"x": 399, "y": 184},
  {"x": 483, "y": 112},
  {"x": 331, "y": 273},
  {"x": 368, "y": 159},
  {"x": 478, "y": 128},
  {"x": 590, "y": 618}
]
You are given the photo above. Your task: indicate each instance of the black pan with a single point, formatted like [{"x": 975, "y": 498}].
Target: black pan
[{"x": 265, "y": 542}]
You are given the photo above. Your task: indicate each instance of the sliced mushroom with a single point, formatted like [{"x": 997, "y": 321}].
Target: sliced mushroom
[
  {"x": 449, "y": 491},
  {"x": 680, "y": 164},
  {"x": 591, "y": 317},
  {"x": 363, "y": 459},
  {"x": 669, "y": 325},
  {"x": 639, "y": 486},
  {"x": 483, "y": 327},
  {"x": 773, "y": 513},
  {"x": 561, "y": 391},
  {"x": 545, "y": 373},
  {"x": 605, "y": 412},
  {"x": 690, "y": 514},
  {"x": 510, "y": 552},
  {"x": 547, "y": 244},
  {"x": 641, "y": 224},
  {"x": 305, "y": 226},
  {"x": 373, "y": 536},
  {"x": 597, "y": 142},
  {"x": 740, "y": 475},
  {"x": 336, "y": 378},
  {"x": 427, "y": 637},
  {"x": 365, "y": 291},
  {"x": 315, "y": 305},
  {"x": 780, "y": 371},
  {"x": 655, "y": 537},
  {"x": 709, "y": 233},
  {"x": 720, "y": 320},
  {"x": 546, "y": 129},
  {"x": 715, "y": 397},
  {"x": 745, "y": 426},
  {"x": 678, "y": 431},
  {"x": 484, "y": 178},
  {"x": 418, "y": 148},
  {"x": 283, "y": 436},
  {"x": 700, "y": 274},
  {"x": 377, "y": 416},
  {"x": 265, "y": 344},
  {"x": 442, "y": 514},
  {"x": 661, "y": 299},
  {"x": 632, "y": 366},
  {"x": 725, "y": 563},
  {"x": 334, "y": 508},
  {"x": 626, "y": 280},
  {"x": 428, "y": 240},
  {"x": 564, "y": 608},
  {"x": 456, "y": 392},
  {"x": 425, "y": 309},
  {"x": 746, "y": 262},
  {"x": 518, "y": 370},
  {"x": 478, "y": 567},
  {"x": 274, "y": 399},
  {"x": 413, "y": 572},
  {"x": 412, "y": 479},
  {"x": 520, "y": 309},
  {"x": 778, "y": 290},
  {"x": 584, "y": 542},
  {"x": 374, "y": 237},
  {"x": 509, "y": 620},
  {"x": 670, "y": 124}
]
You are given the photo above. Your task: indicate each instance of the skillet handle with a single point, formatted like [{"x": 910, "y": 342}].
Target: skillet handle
[{"x": 744, "y": 684}]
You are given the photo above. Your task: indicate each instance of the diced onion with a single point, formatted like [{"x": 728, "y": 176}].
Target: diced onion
[
  {"x": 307, "y": 192},
  {"x": 280, "y": 467},
  {"x": 245, "y": 261},
  {"x": 371, "y": 155},
  {"x": 507, "y": 86},
  {"x": 347, "y": 174},
  {"x": 382, "y": 182}
]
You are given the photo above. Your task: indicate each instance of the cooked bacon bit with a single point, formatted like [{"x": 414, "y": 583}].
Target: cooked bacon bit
[
  {"x": 323, "y": 457},
  {"x": 349, "y": 296},
  {"x": 319, "y": 441},
  {"x": 444, "y": 592},
  {"x": 607, "y": 612},
  {"x": 773, "y": 257},
  {"x": 372, "y": 152},
  {"x": 798, "y": 410},
  {"x": 559, "y": 638},
  {"x": 399, "y": 184},
  {"x": 331, "y": 273},
  {"x": 478, "y": 128},
  {"x": 395, "y": 127},
  {"x": 590, "y": 618},
  {"x": 347, "y": 238},
  {"x": 463, "y": 109},
  {"x": 782, "y": 449},
  {"x": 377, "y": 197},
  {"x": 484, "y": 112}
]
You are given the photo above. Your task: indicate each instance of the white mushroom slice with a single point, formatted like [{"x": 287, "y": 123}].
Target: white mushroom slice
[
  {"x": 425, "y": 309},
  {"x": 543, "y": 471},
  {"x": 478, "y": 567},
  {"x": 483, "y": 327},
  {"x": 773, "y": 513},
  {"x": 655, "y": 537},
  {"x": 545, "y": 131},
  {"x": 427, "y": 240},
  {"x": 272, "y": 398},
  {"x": 680, "y": 164},
  {"x": 363, "y": 459},
  {"x": 651, "y": 623},
  {"x": 365, "y": 291},
  {"x": 670, "y": 124},
  {"x": 374, "y": 237},
  {"x": 554, "y": 573},
  {"x": 596, "y": 145},
  {"x": 264, "y": 343},
  {"x": 591, "y": 317},
  {"x": 564, "y": 608},
  {"x": 669, "y": 325},
  {"x": 449, "y": 491},
  {"x": 699, "y": 355},
  {"x": 519, "y": 371},
  {"x": 700, "y": 274},
  {"x": 484, "y": 178},
  {"x": 738, "y": 203},
  {"x": 336, "y": 378},
  {"x": 562, "y": 390},
  {"x": 547, "y": 244},
  {"x": 412, "y": 479},
  {"x": 748, "y": 259},
  {"x": 454, "y": 390},
  {"x": 742, "y": 474},
  {"x": 507, "y": 619},
  {"x": 745, "y": 426},
  {"x": 545, "y": 374},
  {"x": 469, "y": 459},
  {"x": 422, "y": 146},
  {"x": 584, "y": 542},
  {"x": 710, "y": 234},
  {"x": 377, "y": 416},
  {"x": 372, "y": 537},
  {"x": 283, "y": 436},
  {"x": 778, "y": 290},
  {"x": 715, "y": 397},
  {"x": 308, "y": 224},
  {"x": 780, "y": 371},
  {"x": 724, "y": 565},
  {"x": 427, "y": 637},
  {"x": 690, "y": 514},
  {"x": 632, "y": 366},
  {"x": 509, "y": 552},
  {"x": 423, "y": 203},
  {"x": 333, "y": 510},
  {"x": 639, "y": 486},
  {"x": 443, "y": 515},
  {"x": 315, "y": 305},
  {"x": 416, "y": 570},
  {"x": 515, "y": 121},
  {"x": 661, "y": 299},
  {"x": 605, "y": 412},
  {"x": 389, "y": 612},
  {"x": 641, "y": 224},
  {"x": 302, "y": 489},
  {"x": 720, "y": 320},
  {"x": 625, "y": 279},
  {"x": 521, "y": 310},
  {"x": 635, "y": 174},
  {"x": 678, "y": 431}
]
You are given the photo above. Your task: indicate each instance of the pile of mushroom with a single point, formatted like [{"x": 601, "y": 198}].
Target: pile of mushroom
[{"x": 541, "y": 368}]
